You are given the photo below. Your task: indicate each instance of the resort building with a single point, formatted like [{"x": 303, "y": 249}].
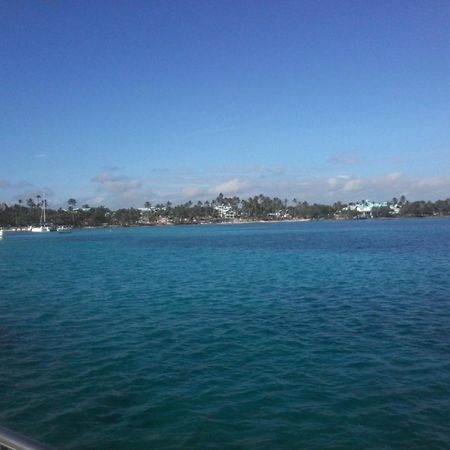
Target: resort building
[
  {"x": 225, "y": 211},
  {"x": 366, "y": 207}
]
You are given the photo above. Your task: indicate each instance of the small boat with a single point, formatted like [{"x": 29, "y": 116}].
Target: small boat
[{"x": 64, "y": 229}]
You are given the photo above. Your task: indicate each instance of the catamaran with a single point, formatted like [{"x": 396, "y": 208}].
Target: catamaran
[{"x": 42, "y": 228}]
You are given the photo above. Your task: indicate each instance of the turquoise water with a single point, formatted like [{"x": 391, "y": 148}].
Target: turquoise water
[{"x": 306, "y": 335}]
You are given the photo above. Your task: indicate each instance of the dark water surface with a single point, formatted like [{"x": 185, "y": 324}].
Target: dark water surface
[{"x": 306, "y": 335}]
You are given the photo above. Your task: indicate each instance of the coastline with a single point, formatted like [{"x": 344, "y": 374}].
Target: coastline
[{"x": 25, "y": 230}]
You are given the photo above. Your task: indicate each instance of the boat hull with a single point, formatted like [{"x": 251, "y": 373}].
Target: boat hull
[{"x": 40, "y": 230}]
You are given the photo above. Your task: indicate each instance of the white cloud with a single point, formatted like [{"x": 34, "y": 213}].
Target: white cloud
[
  {"x": 336, "y": 181},
  {"x": 323, "y": 189},
  {"x": 233, "y": 186},
  {"x": 115, "y": 190},
  {"x": 192, "y": 191},
  {"x": 382, "y": 187},
  {"x": 205, "y": 190}
]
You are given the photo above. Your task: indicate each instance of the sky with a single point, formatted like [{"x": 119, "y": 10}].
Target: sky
[{"x": 120, "y": 102}]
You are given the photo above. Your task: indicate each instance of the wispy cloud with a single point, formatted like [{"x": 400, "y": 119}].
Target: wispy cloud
[
  {"x": 116, "y": 183},
  {"x": 111, "y": 168},
  {"x": 117, "y": 190},
  {"x": 7, "y": 184},
  {"x": 193, "y": 192},
  {"x": 256, "y": 169},
  {"x": 24, "y": 190},
  {"x": 40, "y": 155},
  {"x": 344, "y": 159}
]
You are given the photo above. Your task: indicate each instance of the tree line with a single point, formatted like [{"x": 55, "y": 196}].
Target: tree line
[{"x": 260, "y": 207}]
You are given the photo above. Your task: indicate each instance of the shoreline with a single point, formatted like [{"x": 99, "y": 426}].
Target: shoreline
[{"x": 25, "y": 230}]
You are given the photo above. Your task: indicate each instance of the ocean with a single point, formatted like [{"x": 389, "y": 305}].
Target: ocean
[{"x": 322, "y": 334}]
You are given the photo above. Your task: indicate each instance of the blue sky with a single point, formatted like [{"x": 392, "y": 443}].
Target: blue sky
[{"x": 117, "y": 103}]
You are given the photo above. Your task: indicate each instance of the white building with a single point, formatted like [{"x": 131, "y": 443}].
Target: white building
[
  {"x": 147, "y": 210},
  {"x": 365, "y": 207},
  {"x": 225, "y": 211}
]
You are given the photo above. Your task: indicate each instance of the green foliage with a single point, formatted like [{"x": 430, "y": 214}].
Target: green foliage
[
  {"x": 126, "y": 217},
  {"x": 258, "y": 207},
  {"x": 383, "y": 211},
  {"x": 21, "y": 216},
  {"x": 423, "y": 209}
]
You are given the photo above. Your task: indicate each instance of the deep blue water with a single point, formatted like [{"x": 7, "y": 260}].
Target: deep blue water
[{"x": 306, "y": 335}]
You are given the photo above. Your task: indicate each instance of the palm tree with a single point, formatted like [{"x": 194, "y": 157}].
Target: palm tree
[
  {"x": 219, "y": 199},
  {"x": 72, "y": 203}
]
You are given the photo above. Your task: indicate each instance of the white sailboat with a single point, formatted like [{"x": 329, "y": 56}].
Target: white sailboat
[{"x": 42, "y": 228}]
